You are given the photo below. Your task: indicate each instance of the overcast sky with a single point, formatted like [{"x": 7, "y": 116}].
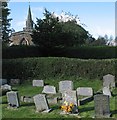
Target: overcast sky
[{"x": 99, "y": 17}]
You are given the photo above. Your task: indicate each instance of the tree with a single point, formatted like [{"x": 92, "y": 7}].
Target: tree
[
  {"x": 5, "y": 21},
  {"x": 51, "y": 32}
]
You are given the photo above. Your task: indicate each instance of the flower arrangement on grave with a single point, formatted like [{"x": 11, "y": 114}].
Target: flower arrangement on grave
[{"x": 67, "y": 107}]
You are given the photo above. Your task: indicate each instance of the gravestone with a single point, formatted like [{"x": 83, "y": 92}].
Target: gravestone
[
  {"x": 85, "y": 91},
  {"x": 70, "y": 97},
  {"x": 38, "y": 83},
  {"x": 13, "y": 99},
  {"x": 3, "y": 81},
  {"x": 41, "y": 103},
  {"x": 27, "y": 99},
  {"x": 106, "y": 91},
  {"x": 109, "y": 81},
  {"x": 52, "y": 101},
  {"x": 101, "y": 105},
  {"x": 14, "y": 81},
  {"x": 49, "y": 89},
  {"x": 6, "y": 87},
  {"x": 65, "y": 86}
]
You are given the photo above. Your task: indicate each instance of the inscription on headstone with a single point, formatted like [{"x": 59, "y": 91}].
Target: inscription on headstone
[
  {"x": 85, "y": 91},
  {"x": 39, "y": 83},
  {"x": 101, "y": 104},
  {"x": 49, "y": 89},
  {"x": 65, "y": 85},
  {"x": 13, "y": 99},
  {"x": 41, "y": 102},
  {"x": 108, "y": 80}
]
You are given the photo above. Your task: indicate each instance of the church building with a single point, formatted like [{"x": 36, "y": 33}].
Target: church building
[{"x": 23, "y": 37}]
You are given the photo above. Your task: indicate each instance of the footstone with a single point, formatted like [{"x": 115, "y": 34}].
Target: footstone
[
  {"x": 109, "y": 81},
  {"x": 102, "y": 106},
  {"x": 13, "y": 99},
  {"x": 49, "y": 89},
  {"x": 38, "y": 83},
  {"x": 27, "y": 99},
  {"x": 85, "y": 91},
  {"x": 65, "y": 85},
  {"x": 41, "y": 102}
]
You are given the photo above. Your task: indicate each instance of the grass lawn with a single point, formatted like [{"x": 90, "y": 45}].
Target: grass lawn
[{"x": 27, "y": 110}]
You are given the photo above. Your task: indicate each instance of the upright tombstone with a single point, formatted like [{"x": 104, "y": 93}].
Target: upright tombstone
[
  {"x": 38, "y": 83},
  {"x": 49, "y": 89},
  {"x": 70, "y": 97},
  {"x": 15, "y": 81},
  {"x": 41, "y": 103},
  {"x": 85, "y": 91},
  {"x": 65, "y": 86},
  {"x": 109, "y": 81},
  {"x": 106, "y": 91},
  {"x": 101, "y": 105},
  {"x": 13, "y": 99}
]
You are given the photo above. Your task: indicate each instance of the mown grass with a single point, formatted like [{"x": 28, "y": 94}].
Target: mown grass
[{"x": 28, "y": 110}]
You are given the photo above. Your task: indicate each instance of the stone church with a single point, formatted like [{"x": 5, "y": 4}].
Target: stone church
[{"x": 23, "y": 37}]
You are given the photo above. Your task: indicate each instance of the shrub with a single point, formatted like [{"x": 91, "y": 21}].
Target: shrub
[{"x": 51, "y": 67}]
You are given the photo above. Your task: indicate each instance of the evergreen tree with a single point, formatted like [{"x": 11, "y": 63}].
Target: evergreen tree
[{"x": 5, "y": 21}]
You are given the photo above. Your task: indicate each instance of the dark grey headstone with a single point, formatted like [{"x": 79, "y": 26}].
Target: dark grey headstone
[
  {"x": 106, "y": 91},
  {"x": 13, "y": 99},
  {"x": 109, "y": 81},
  {"x": 41, "y": 103},
  {"x": 49, "y": 89},
  {"x": 65, "y": 85},
  {"x": 70, "y": 97},
  {"x": 85, "y": 91},
  {"x": 102, "y": 105},
  {"x": 3, "y": 81},
  {"x": 15, "y": 81},
  {"x": 38, "y": 83}
]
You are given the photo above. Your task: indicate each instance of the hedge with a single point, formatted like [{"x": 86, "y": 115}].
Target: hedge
[
  {"x": 82, "y": 52},
  {"x": 51, "y": 67}
]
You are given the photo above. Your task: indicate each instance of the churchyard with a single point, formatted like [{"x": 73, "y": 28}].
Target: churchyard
[{"x": 48, "y": 98}]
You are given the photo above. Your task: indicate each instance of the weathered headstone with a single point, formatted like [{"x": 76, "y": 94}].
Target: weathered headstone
[
  {"x": 70, "y": 97},
  {"x": 41, "y": 103},
  {"x": 52, "y": 101},
  {"x": 15, "y": 81},
  {"x": 101, "y": 104},
  {"x": 85, "y": 91},
  {"x": 3, "y": 81},
  {"x": 13, "y": 99},
  {"x": 109, "y": 81},
  {"x": 49, "y": 89},
  {"x": 65, "y": 85},
  {"x": 38, "y": 83},
  {"x": 106, "y": 91}
]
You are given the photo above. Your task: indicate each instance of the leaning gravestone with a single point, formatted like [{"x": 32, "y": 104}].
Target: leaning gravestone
[
  {"x": 38, "y": 83},
  {"x": 65, "y": 86},
  {"x": 85, "y": 91},
  {"x": 13, "y": 99},
  {"x": 102, "y": 107},
  {"x": 49, "y": 89},
  {"x": 70, "y": 97},
  {"x": 15, "y": 81},
  {"x": 109, "y": 81},
  {"x": 106, "y": 91},
  {"x": 41, "y": 103}
]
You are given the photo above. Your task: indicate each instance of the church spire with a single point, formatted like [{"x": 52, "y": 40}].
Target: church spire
[{"x": 29, "y": 22}]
